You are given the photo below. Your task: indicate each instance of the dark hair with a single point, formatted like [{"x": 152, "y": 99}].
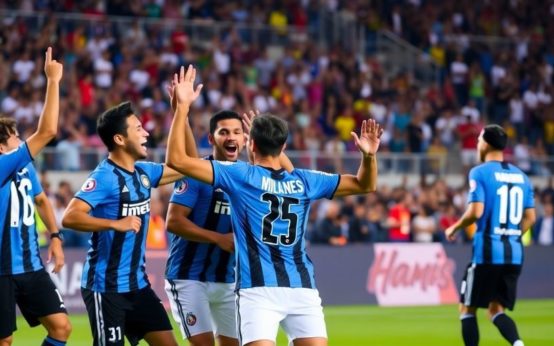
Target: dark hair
[
  {"x": 495, "y": 136},
  {"x": 269, "y": 133},
  {"x": 222, "y": 115},
  {"x": 113, "y": 122},
  {"x": 8, "y": 127}
]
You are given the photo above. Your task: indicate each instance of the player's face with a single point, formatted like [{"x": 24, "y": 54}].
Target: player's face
[
  {"x": 11, "y": 144},
  {"x": 135, "y": 142},
  {"x": 227, "y": 140}
]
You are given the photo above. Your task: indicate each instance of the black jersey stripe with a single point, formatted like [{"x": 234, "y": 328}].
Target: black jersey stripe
[
  {"x": 139, "y": 237},
  {"x": 223, "y": 263},
  {"x": 112, "y": 269},
  {"x": 254, "y": 262},
  {"x": 92, "y": 259},
  {"x": 487, "y": 239},
  {"x": 207, "y": 262},
  {"x": 281, "y": 274},
  {"x": 297, "y": 253}
]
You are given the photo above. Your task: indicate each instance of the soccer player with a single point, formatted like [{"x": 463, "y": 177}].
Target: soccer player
[
  {"x": 23, "y": 279},
  {"x": 114, "y": 204},
  {"x": 200, "y": 269},
  {"x": 270, "y": 207},
  {"x": 500, "y": 201}
]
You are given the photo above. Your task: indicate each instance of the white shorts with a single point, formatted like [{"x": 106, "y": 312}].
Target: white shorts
[
  {"x": 201, "y": 307},
  {"x": 260, "y": 311}
]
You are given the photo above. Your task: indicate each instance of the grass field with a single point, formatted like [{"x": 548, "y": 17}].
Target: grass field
[{"x": 375, "y": 326}]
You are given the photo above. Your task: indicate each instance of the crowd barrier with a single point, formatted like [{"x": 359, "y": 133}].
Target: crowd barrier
[{"x": 379, "y": 274}]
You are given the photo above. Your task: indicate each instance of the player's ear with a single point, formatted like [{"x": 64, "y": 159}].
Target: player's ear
[
  {"x": 211, "y": 139},
  {"x": 118, "y": 139}
]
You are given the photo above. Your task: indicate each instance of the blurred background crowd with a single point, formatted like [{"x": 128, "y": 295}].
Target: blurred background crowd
[{"x": 322, "y": 65}]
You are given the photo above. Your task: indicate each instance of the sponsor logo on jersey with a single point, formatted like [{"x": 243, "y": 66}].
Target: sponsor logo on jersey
[
  {"x": 145, "y": 181},
  {"x": 191, "y": 319},
  {"x": 136, "y": 209},
  {"x": 89, "y": 185},
  {"x": 222, "y": 208},
  {"x": 182, "y": 187}
]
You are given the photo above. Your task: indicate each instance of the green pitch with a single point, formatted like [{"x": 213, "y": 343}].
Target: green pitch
[{"x": 371, "y": 325}]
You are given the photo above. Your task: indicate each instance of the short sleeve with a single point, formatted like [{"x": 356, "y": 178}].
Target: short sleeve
[
  {"x": 530, "y": 195},
  {"x": 14, "y": 161},
  {"x": 35, "y": 182},
  {"x": 319, "y": 184},
  {"x": 227, "y": 174},
  {"x": 476, "y": 188},
  {"x": 185, "y": 192},
  {"x": 154, "y": 171},
  {"x": 96, "y": 189}
]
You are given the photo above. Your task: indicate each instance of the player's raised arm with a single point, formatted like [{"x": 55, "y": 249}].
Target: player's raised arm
[
  {"x": 366, "y": 179},
  {"x": 176, "y": 156},
  {"x": 77, "y": 217},
  {"x": 48, "y": 121}
]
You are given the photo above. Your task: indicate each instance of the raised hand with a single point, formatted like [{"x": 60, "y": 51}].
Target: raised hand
[
  {"x": 52, "y": 68},
  {"x": 247, "y": 119},
  {"x": 171, "y": 93},
  {"x": 184, "y": 86},
  {"x": 129, "y": 223},
  {"x": 370, "y": 137}
]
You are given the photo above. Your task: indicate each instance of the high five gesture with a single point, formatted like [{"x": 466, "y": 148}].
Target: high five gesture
[{"x": 370, "y": 137}]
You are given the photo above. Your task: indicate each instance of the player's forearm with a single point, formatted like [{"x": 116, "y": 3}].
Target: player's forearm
[
  {"x": 466, "y": 220},
  {"x": 48, "y": 121},
  {"x": 83, "y": 222},
  {"x": 367, "y": 173},
  {"x": 528, "y": 220},
  {"x": 46, "y": 213},
  {"x": 191, "y": 149},
  {"x": 176, "y": 144},
  {"x": 187, "y": 229}
]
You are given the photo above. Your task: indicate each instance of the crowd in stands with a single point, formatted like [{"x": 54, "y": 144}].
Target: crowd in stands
[{"x": 323, "y": 92}]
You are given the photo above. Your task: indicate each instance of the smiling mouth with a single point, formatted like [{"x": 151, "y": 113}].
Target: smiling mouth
[{"x": 231, "y": 149}]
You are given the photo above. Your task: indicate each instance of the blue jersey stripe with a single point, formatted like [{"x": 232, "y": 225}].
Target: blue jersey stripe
[{"x": 6, "y": 258}]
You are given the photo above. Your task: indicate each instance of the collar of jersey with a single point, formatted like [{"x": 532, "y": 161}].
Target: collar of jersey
[{"x": 119, "y": 167}]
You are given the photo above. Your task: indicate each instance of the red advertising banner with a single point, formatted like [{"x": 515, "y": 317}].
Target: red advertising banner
[{"x": 412, "y": 274}]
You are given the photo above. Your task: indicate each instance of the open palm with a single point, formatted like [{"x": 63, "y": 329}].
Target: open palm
[
  {"x": 370, "y": 137},
  {"x": 183, "y": 84}
]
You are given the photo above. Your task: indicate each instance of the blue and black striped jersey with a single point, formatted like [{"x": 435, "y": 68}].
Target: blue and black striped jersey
[
  {"x": 270, "y": 211},
  {"x": 505, "y": 192},
  {"x": 116, "y": 260},
  {"x": 210, "y": 209},
  {"x": 19, "y": 251}
]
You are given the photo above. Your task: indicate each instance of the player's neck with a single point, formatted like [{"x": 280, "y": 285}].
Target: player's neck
[
  {"x": 268, "y": 162},
  {"x": 123, "y": 160},
  {"x": 494, "y": 156}
]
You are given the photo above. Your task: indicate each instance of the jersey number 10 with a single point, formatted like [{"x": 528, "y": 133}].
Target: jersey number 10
[
  {"x": 279, "y": 207},
  {"x": 510, "y": 198}
]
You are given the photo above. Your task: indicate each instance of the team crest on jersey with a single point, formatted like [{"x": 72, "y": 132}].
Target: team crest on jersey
[
  {"x": 182, "y": 187},
  {"x": 472, "y": 185},
  {"x": 145, "y": 181},
  {"x": 191, "y": 319},
  {"x": 89, "y": 185}
]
